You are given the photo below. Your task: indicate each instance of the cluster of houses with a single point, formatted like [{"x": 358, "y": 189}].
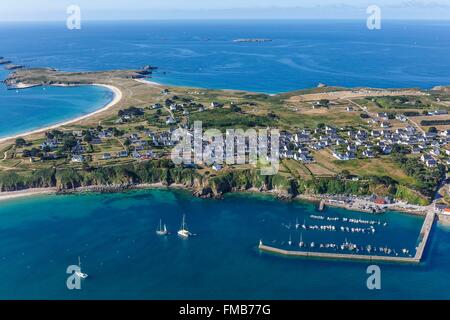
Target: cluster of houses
[
  {"x": 140, "y": 148},
  {"x": 344, "y": 144},
  {"x": 184, "y": 106},
  {"x": 348, "y": 144}
]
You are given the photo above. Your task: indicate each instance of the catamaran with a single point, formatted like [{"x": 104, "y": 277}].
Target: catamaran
[
  {"x": 79, "y": 273},
  {"x": 162, "y": 231},
  {"x": 184, "y": 232}
]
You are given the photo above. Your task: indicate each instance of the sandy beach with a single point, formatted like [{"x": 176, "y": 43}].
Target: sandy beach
[
  {"x": 117, "y": 97},
  {"x": 152, "y": 83},
  {"x": 25, "y": 193}
]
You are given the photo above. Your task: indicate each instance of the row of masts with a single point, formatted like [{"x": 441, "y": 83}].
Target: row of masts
[
  {"x": 348, "y": 246},
  {"x": 350, "y": 220},
  {"x": 330, "y": 227}
]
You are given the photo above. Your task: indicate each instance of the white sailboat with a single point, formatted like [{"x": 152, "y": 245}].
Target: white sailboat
[
  {"x": 162, "y": 231},
  {"x": 290, "y": 240},
  {"x": 301, "y": 244},
  {"x": 184, "y": 232},
  {"x": 79, "y": 273}
]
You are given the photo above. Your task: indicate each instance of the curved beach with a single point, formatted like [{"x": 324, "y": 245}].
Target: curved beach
[{"x": 116, "y": 99}]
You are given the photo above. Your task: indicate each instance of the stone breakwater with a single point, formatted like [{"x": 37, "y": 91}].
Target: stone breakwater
[{"x": 420, "y": 249}]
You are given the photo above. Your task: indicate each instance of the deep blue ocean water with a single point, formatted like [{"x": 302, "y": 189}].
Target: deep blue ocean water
[
  {"x": 114, "y": 234},
  {"x": 202, "y": 53}
]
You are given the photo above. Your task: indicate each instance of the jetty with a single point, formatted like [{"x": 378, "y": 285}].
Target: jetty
[
  {"x": 321, "y": 205},
  {"x": 422, "y": 241},
  {"x": 424, "y": 234}
]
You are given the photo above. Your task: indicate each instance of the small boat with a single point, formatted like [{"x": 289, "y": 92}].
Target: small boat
[
  {"x": 301, "y": 244},
  {"x": 304, "y": 224},
  {"x": 162, "y": 231},
  {"x": 312, "y": 245},
  {"x": 290, "y": 240},
  {"x": 296, "y": 223},
  {"x": 184, "y": 232},
  {"x": 80, "y": 274}
]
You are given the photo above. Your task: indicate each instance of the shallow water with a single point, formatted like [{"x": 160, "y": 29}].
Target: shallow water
[{"x": 38, "y": 107}]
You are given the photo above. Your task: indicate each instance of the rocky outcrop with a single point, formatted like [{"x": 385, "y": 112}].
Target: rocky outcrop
[{"x": 12, "y": 66}]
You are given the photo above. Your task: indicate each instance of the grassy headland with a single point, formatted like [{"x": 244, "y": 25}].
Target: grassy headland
[{"x": 335, "y": 140}]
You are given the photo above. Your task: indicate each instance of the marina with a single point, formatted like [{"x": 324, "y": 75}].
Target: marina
[{"x": 390, "y": 255}]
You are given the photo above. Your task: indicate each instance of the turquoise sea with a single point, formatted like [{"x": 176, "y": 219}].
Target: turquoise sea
[
  {"x": 34, "y": 108},
  {"x": 115, "y": 234},
  {"x": 202, "y": 53}
]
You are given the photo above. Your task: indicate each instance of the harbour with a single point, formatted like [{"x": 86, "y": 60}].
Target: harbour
[
  {"x": 115, "y": 234},
  {"x": 417, "y": 258}
]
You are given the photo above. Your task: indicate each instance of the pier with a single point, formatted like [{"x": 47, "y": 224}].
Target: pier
[
  {"x": 424, "y": 233},
  {"x": 422, "y": 241}
]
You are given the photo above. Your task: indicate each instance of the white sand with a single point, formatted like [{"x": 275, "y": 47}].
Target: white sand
[{"x": 115, "y": 100}]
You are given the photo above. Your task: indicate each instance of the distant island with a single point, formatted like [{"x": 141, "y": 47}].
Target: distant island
[{"x": 253, "y": 40}]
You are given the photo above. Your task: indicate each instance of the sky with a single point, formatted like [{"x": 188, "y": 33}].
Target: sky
[{"x": 55, "y": 10}]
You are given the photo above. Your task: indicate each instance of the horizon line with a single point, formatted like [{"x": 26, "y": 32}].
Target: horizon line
[{"x": 231, "y": 19}]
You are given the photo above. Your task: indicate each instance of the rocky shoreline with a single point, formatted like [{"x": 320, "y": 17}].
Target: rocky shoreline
[{"x": 207, "y": 193}]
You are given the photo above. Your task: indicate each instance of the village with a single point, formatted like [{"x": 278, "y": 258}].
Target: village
[
  {"x": 344, "y": 144},
  {"x": 387, "y": 143}
]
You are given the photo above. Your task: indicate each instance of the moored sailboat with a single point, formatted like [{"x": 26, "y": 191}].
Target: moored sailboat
[
  {"x": 184, "y": 232},
  {"x": 162, "y": 230}
]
